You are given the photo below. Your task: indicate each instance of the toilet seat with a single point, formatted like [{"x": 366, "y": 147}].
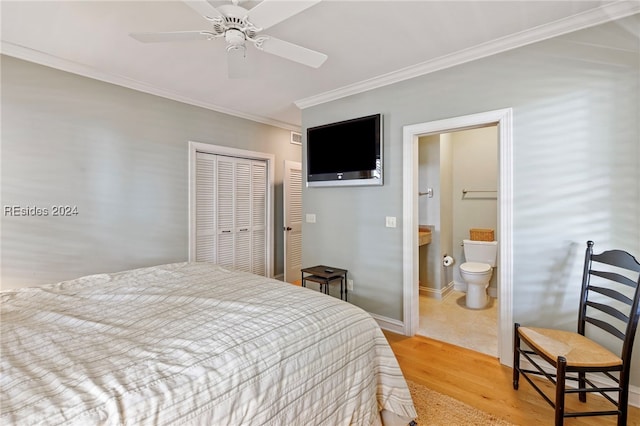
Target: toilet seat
[{"x": 475, "y": 267}]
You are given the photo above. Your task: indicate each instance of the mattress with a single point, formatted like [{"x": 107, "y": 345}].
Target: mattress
[{"x": 192, "y": 343}]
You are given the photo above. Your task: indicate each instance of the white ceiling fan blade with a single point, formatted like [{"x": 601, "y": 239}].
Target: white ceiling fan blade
[
  {"x": 204, "y": 8},
  {"x": 270, "y": 12},
  {"x": 172, "y": 36},
  {"x": 291, "y": 51}
]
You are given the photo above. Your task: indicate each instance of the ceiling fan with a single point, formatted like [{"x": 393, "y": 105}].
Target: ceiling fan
[{"x": 238, "y": 26}]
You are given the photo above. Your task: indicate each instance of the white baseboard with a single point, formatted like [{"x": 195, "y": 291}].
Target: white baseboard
[
  {"x": 389, "y": 324},
  {"x": 634, "y": 396},
  {"x": 434, "y": 293}
]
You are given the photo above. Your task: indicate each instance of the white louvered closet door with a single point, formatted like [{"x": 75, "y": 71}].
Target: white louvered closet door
[
  {"x": 205, "y": 208},
  {"x": 224, "y": 223},
  {"x": 259, "y": 217},
  {"x": 233, "y": 192},
  {"x": 292, "y": 185},
  {"x": 242, "y": 215}
]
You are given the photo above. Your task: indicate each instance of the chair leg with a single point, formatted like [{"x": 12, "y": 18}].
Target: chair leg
[
  {"x": 582, "y": 384},
  {"x": 516, "y": 356},
  {"x": 560, "y": 388},
  {"x": 623, "y": 401}
]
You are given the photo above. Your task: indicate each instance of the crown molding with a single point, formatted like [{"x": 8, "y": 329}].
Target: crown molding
[
  {"x": 590, "y": 18},
  {"x": 41, "y": 58}
]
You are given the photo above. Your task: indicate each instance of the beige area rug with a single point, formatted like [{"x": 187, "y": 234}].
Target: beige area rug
[{"x": 436, "y": 409}]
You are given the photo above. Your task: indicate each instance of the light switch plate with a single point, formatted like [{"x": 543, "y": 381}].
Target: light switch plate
[
  {"x": 391, "y": 221},
  {"x": 311, "y": 218}
]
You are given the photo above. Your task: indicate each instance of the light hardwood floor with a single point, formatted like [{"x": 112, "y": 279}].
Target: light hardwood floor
[{"x": 481, "y": 381}]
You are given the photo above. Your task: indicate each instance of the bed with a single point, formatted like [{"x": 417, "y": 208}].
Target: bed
[{"x": 193, "y": 343}]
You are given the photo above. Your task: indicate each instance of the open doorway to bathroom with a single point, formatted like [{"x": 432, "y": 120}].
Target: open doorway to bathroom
[
  {"x": 457, "y": 181},
  {"x": 410, "y": 138}
]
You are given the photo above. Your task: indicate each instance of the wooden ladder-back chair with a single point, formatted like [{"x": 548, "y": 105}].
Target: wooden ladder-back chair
[{"x": 608, "y": 302}]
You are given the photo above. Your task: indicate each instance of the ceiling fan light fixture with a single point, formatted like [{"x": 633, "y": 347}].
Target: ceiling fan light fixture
[
  {"x": 234, "y": 37},
  {"x": 240, "y": 49}
]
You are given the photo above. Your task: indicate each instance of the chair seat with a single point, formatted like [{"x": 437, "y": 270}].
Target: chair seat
[{"x": 578, "y": 350}]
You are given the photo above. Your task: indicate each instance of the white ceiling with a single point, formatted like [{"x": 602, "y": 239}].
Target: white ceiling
[{"x": 369, "y": 44}]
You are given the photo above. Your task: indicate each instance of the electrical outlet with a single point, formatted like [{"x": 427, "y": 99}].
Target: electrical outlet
[{"x": 350, "y": 285}]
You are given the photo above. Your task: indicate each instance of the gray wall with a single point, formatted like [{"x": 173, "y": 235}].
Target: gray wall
[
  {"x": 121, "y": 157},
  {"x": 475, "y": 167},
  {"x": 449, "y": 163},
  {"x": 575, "y": 102}
]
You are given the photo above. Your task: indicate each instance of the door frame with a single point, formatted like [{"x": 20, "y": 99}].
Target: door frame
[
  {"x": 411, "y": 133},
  {"x": 195, "y": 147}
]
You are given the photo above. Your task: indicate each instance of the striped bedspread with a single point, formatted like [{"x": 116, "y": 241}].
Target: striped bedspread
[{"x": 192, "y": 343}]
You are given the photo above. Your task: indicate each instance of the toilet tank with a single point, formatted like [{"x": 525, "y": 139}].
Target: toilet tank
[{"x": 481, "y": 251}]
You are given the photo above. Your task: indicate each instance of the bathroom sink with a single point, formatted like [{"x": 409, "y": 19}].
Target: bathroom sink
[{"x": 424, "y": 235}]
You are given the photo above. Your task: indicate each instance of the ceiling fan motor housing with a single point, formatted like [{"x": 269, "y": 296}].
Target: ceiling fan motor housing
[{"x": 234, "y": 18}]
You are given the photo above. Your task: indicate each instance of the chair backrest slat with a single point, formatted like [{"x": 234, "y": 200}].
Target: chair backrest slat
[
  {"x": 614, "y": 277},
  {"x": 613, "y": 294},
  {"x": 617, "y": 258},
  {"x": 606, "y": 327},
  {"x": 609, "y": 310}
]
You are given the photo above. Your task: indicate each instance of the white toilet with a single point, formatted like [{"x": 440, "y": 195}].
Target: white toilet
[{"x": 480, "y": 259}]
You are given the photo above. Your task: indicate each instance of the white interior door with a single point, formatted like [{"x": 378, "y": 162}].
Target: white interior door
[{"x": 292, "y": 220}]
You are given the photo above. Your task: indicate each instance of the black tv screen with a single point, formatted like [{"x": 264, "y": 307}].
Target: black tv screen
[{"x": 345, "y": 153}]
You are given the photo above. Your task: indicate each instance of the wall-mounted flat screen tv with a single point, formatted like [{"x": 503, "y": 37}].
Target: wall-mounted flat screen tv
[{"x": 346, "y": 153}]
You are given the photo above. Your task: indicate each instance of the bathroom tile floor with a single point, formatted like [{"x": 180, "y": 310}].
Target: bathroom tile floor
[{"x": 450, "y": 321}]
